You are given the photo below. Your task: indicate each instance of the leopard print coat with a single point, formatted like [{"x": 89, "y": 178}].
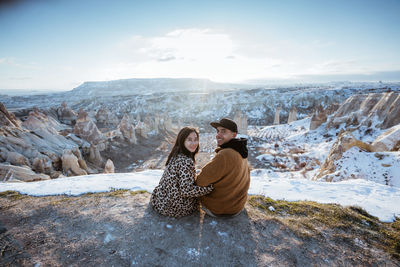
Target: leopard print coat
[{"x": 176, "y": 194}]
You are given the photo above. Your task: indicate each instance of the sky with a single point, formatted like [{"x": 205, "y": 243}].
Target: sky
[{"x": 59, "y": 44}]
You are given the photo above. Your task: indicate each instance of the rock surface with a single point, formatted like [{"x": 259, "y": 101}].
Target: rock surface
[
  {"x": 388, "y": 141},
  {"x": 364, "y": 109},
  {"x": 12, "y": 253},
  {"x": 7, "y": 118},
  {"x": 70, "y": 164},
  {"x": 345, "y": 141},
  {"x": 35, "y": 145},
  {"x": 106, "y": 118},
  {"x": 127, "y": 129},
  {"x": 11, "y": 173},
  {"x": 318, "y": 118},
  {"x": 86, "y": 129},
  {"x": 241, "y": 121},
  {"x": 292, "y": 115},
  {"x": 122, "y": 230},
  {"x": 66, "y": 114},
  {"x": 109, "y": 168}
]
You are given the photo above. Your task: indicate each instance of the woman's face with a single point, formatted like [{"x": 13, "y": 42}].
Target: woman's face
[{"x": 192, "y": 142}]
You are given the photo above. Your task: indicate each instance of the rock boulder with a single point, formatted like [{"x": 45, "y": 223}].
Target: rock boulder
[
  {"x": 70, "y": 164},
  {"x": 10, "y": 173},
  {"x": 109, "y": 168}
]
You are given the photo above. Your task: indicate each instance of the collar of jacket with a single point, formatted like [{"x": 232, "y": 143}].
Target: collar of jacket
[{"x": 239, "y": 145}]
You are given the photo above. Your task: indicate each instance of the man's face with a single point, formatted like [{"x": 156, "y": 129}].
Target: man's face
[{"x": 224, "y": 135}]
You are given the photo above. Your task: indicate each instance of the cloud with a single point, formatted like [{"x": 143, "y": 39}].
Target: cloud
[
  {"x": 13, "y": 62},
  {"x": 5, "y": 60},
  {"x": 387, "y": 76},
  {"x": 202, "y": 53},
  {"x": 350, "y": 66},
  {"x": 219, "y": 56},
  {"x": 20, "y": 78},
  {"x": 191, "y": 44},
  {"x": 166, "y": 58}
]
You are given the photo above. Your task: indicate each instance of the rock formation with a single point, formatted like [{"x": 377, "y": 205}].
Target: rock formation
[
  {"x": 7, "y": 118},
  {"x": 167, "y": 125},
  {"x": 241, "y": 121},
  {"x": 345, "y": 141},
  {"x": 36, "y": 146},
  {"x": 277, "y": 113},
  {"x": 17, "y": 159},
  {"x": 40, "y": 123},
  {"x": 66, "y": 114},
  {"x": 292, "y": 114},
  {"x": 94, "y": 155},
  {"x": 142, "y": 129},
  {"x": 81, "y": 161},
  {"x": 43, "y": 164},
  {"x": 70, "y": 164},
  {"x": 153, "y": 125},
  {"x": 128, "y": 130},
  {"x": 86, "y": 129},
  {"x": 390, "y": 110},
  {"x": 364, "y": 109},
  {"x": 10, "y": 173},
  {"x": 318, "y": 118},
  {"x": 332, "y": 108},
  {"x": 388, "y": 141},
  {"x": 106, "y": 117},
  {"x": 109, "y": 168}
]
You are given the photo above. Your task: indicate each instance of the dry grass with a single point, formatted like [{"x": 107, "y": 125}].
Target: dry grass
[
  {"x": 314, "y": 220},
  {"x": 12, "y": 195},
  {"x": 117, "y": 193}
]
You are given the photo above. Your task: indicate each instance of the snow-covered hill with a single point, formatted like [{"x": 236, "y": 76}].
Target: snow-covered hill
[
  {"x": 149, "y": 86},
  {"x": 194, "y": 101},
  {"x": 294, "y": 151}
]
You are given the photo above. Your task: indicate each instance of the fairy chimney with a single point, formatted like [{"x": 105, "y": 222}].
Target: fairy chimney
[
  {"x": 109, "y": 167},
  {"x": 277, "y": 112},
  {"x": 127, "y": 129},
  {"x": 241, "y": 121},
  {"x": 318, "y": 118},
  {"x": 292, "y": 114}
]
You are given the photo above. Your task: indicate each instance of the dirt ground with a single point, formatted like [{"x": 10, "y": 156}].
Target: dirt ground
[{"x": 121, "y": 229}]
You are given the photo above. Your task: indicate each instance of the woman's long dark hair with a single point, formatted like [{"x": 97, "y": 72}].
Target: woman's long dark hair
[{"x": 179, "y": 146}]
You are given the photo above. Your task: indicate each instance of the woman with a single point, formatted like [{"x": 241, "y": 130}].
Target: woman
[{"x": 176, "y": 195}]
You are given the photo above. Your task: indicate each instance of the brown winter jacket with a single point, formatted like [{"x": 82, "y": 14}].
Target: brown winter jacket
[{"x": 229, "y": 173}]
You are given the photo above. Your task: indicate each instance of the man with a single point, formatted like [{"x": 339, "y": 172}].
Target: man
[{"x": 228, "y": 172}]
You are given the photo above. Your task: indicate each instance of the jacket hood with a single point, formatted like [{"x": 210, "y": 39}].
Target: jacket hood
[{"x": 239, "y": 145}]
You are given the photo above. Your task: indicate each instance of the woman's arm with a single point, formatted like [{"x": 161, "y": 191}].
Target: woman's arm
[{"x": 186, "y": 181}]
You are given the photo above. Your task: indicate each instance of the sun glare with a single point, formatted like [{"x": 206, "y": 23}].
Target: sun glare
[{"x": 191, "y": 53}]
